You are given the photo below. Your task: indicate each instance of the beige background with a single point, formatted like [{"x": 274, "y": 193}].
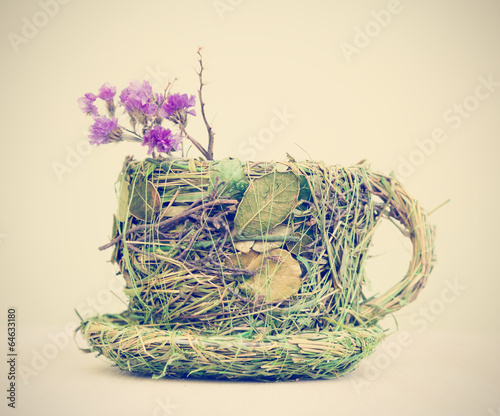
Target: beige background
[{"x": 380, "y": 80}]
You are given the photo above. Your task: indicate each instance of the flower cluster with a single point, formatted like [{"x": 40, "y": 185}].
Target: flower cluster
[
  {"x": 146, "y": 110},
  {"x": 162, "y": 139},
  {"x": 176, "y": 108},
  {"x": 104, "y": 130},
  {"x": 139, "y": 101},
  {"x": 87, "y": 105}
]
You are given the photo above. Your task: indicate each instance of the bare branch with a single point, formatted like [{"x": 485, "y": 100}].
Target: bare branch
[
  {"x": 168, "y": 223},
  {"x": 197, "y": 144},
  {"x": 210, "y": 131}
]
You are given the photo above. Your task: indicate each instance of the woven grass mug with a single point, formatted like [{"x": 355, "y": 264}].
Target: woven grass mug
[{"x": 252, "y": 270}]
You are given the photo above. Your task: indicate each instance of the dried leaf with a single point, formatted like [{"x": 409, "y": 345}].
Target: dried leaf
[
  {"x": 281, "y": 167},
  {"x": 278, "y": 276},
  {"x": 242, "y": 260},
  {"x": 145, "y": 200},
  {"x": 267, "y": 202},
  {"x": 175, "y": 210},
  {"x": 244, "y": 246}
]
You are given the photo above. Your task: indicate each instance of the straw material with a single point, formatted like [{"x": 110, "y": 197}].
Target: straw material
[{"x": 253, "y": 271}]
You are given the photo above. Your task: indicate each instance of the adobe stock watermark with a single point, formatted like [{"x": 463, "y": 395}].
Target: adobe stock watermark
[
  {"x": 266, "y": 135},
  {"x": 59, "y": 341},
  {"x": 493, "y": 412},
  {"x": 73, "y": 158},
  {"x": 388, "y": 352},
  {"x": 363, "y": 36},
  {"x": 222, "y": 7},
  {"x": 48, "y": 9},
  {"x": 156, "y": 77},
  {"x": 164, "y": 408},
  {"x": 454, "y": 117}
]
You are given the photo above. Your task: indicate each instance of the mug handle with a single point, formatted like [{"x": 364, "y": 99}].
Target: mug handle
[{"x": 401, "y": 207}]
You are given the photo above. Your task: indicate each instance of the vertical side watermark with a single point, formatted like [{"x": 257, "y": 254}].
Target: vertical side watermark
[{"x": 12, "y": 357}]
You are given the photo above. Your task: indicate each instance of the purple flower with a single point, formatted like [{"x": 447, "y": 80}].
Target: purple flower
[
  {"x": 104, "y": 130},
  {"x": 136, "y": 96},
  {"x": 87, "y": 105},
  {"x": 107, "y": 92},
  {"x": 139, "y": 100},
  {"x": 162, "y": 139},
  {"x": 177, "y": 102},
  {"x": 124, "y": 95}
]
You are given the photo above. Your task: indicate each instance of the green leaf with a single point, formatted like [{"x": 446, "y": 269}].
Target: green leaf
[
  {"x": 114, "y": 233},
  {"x": 267, "y": 202},
  {"x": 149, "y": 167},
  {"x": 305, "y": 193},
  {"x": 281, "y": 231},
  {"x": 230, "y": 172},
  {"x": 123, "y": 200},
  {"x": 133, "y": 291},
  {"x": 145, "y": 200},
  {"x": 192, "y": 166},
  {"x": 114, "y": 229},
  {"x": 187, "y": 197}
]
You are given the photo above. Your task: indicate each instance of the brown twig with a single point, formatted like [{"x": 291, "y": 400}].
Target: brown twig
[
  {"x": 190, "y": 244},
  {"x": 170, "y": 203},
  {"x": 202, "y": 106},
  {"x": 196, "y": 143},
  {"x": 171, "y": 221}
]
